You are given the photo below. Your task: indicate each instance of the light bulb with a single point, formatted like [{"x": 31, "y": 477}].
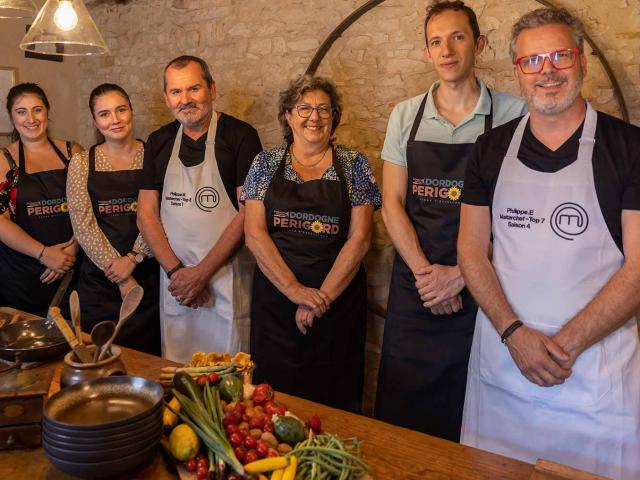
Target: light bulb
[{"x": 65, "y": 17}]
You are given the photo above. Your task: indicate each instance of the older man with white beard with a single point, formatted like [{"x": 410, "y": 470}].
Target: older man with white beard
[{"x": 548, "y": 246}]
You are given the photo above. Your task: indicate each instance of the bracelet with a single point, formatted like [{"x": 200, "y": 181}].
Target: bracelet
[
  {"x": 41, "y": 253},
  {"x": 132, "y": 258},
  {"x": 175, "y": 269},
  {"x": 509, "y": 330}
]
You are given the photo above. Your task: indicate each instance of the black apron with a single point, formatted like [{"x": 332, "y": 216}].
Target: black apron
[
  {"x": 42, "y": 212},
  {"x": 423, "y": 368},
  {"x": 327, "y": 364},
  {"x": 114, "y": 197}
]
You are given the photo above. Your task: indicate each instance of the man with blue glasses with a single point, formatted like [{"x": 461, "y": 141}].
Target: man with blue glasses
[{"x": 549, "y": 230}]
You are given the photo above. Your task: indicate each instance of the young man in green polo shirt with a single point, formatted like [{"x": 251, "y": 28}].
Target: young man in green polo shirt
[{"x": 431, "y": 314}]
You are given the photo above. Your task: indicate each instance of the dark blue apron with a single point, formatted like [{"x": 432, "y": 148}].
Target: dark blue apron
[
  {"x": 423, "y": 368},
  {"x": 114, "y": 197},
  {"x": 42, "y": 212},
  {"x": 327, "y": 364}
]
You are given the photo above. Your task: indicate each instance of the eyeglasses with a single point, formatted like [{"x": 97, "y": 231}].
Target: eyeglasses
[
  {"x": 560, "y": 59},
  {"x": 305, "y": 111}
]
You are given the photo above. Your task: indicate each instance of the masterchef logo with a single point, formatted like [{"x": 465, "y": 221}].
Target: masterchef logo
[
  {"x": 51, "y": 207},
  {"x": 306, "y": 222},
  {"x": 118, "y": 206},
  {"x": 437, "y": 189}
]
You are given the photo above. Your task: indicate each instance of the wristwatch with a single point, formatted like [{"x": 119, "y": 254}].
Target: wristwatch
[{"x": 137, "y": 257}]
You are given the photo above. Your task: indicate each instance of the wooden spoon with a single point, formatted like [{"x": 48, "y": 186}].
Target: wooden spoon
[
  {"x": 100, "y": 335},
  {"x": 74, "y": 306},
  {"x": 129, "y": 306}
]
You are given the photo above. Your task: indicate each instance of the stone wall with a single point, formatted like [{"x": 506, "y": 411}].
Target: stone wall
[{"x": 256, "y": 46}]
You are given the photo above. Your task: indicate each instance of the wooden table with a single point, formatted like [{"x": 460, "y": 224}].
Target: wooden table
[{"x": 391, "y": 452}]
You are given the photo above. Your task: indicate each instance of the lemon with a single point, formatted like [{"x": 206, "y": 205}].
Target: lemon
[{"x": 183, "y": 442}]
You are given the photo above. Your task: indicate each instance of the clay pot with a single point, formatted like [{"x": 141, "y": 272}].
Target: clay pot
[{"x": 75, "y": 371}]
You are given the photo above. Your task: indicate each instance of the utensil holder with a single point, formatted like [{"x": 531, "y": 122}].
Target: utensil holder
[{"x": 75, "y": 371}]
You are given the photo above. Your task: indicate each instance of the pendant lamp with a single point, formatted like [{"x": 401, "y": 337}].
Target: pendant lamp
[
  {"x": 17, "y": 9},
  {"x": 64, "y": 27}
]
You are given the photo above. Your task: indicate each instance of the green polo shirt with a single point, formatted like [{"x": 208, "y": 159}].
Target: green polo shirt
[{"x": 434, "y": 128}]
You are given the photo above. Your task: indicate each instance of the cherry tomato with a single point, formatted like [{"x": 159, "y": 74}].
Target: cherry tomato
[
  {"x": 203, "y": 463},
  {"x": 268, "y": 426},
  {"x": 270, "y": 408},
  {"x": 244, "y": 426},
  {"x": 258, "y": 421},
  {"x": 315, "y": 424},
  {"x": 238, "y": 407},
  {"x": 231, "y": 428},
  {"x": 282, "y": 409},
  {"x": 251, "y": 456},
  {"x": 201, "y": 455},
  {"x": 192, "y": 465},
  {"x": 263, "y": 391},
  {"x": 250, "y": 442},
  {"x": 202, "y": 473},
  {"x": 234, "y": 476},
  {"x": 232, "y": 417},
  {"x": 240, "y": 453},
  {"x": 235, "y": 439},
  {"x": 245, "y": 417},
  {"x": 202, "y": 379},
  {"x": 213, "y": 378},
  {"x": 262, "y": 449}
]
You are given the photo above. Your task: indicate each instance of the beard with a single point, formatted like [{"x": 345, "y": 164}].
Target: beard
[{"x": 553, "y": 104}]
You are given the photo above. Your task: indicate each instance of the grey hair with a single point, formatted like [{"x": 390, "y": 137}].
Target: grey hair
[
  {"x": 294, "y": 92},
  {"x": 547, "y": 16}
]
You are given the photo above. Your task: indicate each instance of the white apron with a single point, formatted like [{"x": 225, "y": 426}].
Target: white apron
[
  {"x": 553, "y": 252},
  {"x": 195, "y": 210}
]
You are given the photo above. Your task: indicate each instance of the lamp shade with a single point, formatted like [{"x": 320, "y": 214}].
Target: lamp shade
[
  {"x": 64, "y": 27},
  {"x": 17, "y": 8}
]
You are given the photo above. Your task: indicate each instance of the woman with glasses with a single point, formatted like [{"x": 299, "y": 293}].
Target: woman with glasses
[
  {"x": 37, "y": 246},
  {"x": 102, "y": 189},
  {"x": 309, "y": 208}
]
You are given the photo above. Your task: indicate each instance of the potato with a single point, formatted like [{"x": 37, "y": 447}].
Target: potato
[
  {"x": 284, "y": 448},
  {"x": 270, "y": 439}
]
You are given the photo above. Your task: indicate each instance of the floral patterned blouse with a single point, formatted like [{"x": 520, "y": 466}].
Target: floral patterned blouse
[
  {"x": 85, "y": 225},
  {"x": 361, "y": 183}
]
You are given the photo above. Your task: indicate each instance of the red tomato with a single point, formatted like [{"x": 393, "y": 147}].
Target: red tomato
[
  {"x": 238, "y": 407},
  {"x": 263, "y": 393},
  {"x": 203, "y": 463},
  {"x": 270, "y": 408},
  {"x": 245, "y": 417},
  {"x": 192, "y": 465},
  {"x": 240, "y": 453},
  {"x": 258, "y": 421},
  {"x": 315, "y": 424},
  {"x": 262, "y": 449},
  {"x": 234, "y": 476},
  {"x": 268, "y": 426},
  {"x": 202, "y": 379},
  {"x": 282, "y": 409},
  {"x": 236, "y": 439},
  {"x": 259, "y": 399},
  {"x": 231, "y": 428},
  {"x": 250, "y": 442},
  {"x": 202, "y": 473},
  {"x": 232, "y": 417},
  {"x": 213, "y": 378},
  {"x": 251, "y": 456},
  {"x": 201, "y": 455}
]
